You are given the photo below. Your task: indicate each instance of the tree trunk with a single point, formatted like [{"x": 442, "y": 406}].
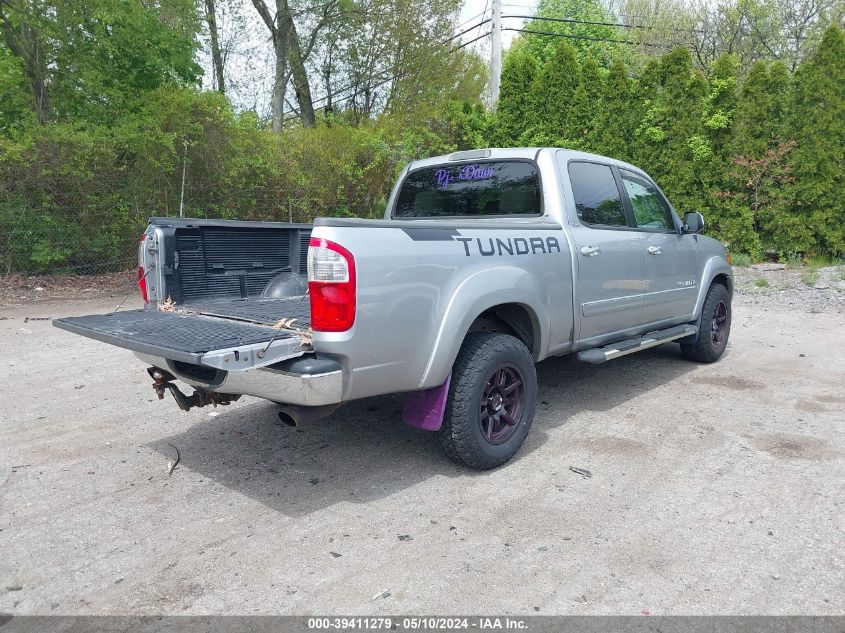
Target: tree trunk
[
  {"x": 280, "y": 46},
  {"x": 301, "y": 83},
  {"x": 26, "y": 45},
  {"x": 216, "y": 55},
  {"x": 280, "y": 38},
  {"x": 327, "y": 78}
]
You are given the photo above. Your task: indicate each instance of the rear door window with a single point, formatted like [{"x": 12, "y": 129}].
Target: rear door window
[
  {"x": 483, "y": 189},
  {"x": 597, "y": 198}
]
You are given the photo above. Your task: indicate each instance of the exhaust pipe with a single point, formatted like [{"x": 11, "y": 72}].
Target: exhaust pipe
[
  {"x": 286, "y": 419},
  {"x": 294, "y": 414}
]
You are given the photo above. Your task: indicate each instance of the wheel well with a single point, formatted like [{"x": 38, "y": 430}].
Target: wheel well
[
  {"x": 510, "y": 318},
  {"x": 724, "y": 280}
]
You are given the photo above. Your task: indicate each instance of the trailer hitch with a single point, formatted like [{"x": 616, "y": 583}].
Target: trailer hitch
[{"x": 162, "y": 380}]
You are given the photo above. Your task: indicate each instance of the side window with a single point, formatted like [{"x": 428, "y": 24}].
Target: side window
[
  {"x": 650, "y": 211},
  {"x": 597, "y": 198}
]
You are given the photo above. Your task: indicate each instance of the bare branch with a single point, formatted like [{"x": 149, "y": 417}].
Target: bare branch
[{"x": 265, "y": 14}]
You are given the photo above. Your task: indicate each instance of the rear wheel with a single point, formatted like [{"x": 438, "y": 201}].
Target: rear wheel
[
  {"x": 491, "y": 401},
  {"x": 715, "y": 327}
]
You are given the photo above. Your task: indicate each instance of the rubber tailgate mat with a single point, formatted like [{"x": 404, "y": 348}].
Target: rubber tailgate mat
[
  {"x": 175, "y": 336},
  {"x": 258, "y": 310}
]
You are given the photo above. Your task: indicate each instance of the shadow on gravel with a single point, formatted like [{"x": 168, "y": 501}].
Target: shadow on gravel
[{"x": 364, "y": 452}]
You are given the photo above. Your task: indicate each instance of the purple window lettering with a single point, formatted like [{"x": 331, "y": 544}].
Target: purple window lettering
[
  {"x": 475, "y": 172},
  {"x": 467, "y": 172},
  {"x": 443, "y": 178}
]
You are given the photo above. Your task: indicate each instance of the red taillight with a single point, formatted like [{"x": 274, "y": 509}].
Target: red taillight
[
  {"x": 142, "y": 274},
  {"x": 331, "y": 285},
  {"x": 142, "y": 284}
]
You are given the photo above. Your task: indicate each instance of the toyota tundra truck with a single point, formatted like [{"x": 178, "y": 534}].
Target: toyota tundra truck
[{"x": 486, "y": 262}]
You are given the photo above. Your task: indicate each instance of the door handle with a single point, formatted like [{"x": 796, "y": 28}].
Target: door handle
[
  {"x": 655, "y": 250},
  {"x": 590, "y": 251}
]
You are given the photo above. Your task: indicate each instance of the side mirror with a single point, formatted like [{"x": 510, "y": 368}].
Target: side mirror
[{"x": 693, "y": 222}]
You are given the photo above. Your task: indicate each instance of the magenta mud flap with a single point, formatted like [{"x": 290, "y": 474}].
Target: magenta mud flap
[{"x": 425, "y": 409}]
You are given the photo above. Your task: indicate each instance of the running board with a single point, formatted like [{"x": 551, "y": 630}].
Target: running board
[{"x": 599, "y": 355}]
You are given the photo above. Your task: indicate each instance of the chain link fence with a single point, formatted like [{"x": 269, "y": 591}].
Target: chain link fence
[{"x": 102, "y": 236}]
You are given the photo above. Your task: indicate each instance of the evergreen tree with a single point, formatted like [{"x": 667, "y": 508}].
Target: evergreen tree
[
  {"x": 669, "y": 143},
  {"x": 779, "y": 87},
  {"x": 760, "y": 174},
  {"x": 761, "y": 109},
  {"x": 615, "y": 122},
  {"x": 752, "y": 131},
  {"x": 515, "y": 111},
  {"x": 721, "y": 107},
  {"x": 818, "y": 125},
  {"x": 645, "y": 91},
  {"x": 758, "y": 200},
  {"x": 733, "y": 214},
  {"x": 586, "y": 102},
  {"x": 553, "y": 99},
  {"x": 593, "y": 79}
]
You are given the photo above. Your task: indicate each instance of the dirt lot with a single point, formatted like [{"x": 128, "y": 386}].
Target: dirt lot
[{"x": 714, "y": 489}]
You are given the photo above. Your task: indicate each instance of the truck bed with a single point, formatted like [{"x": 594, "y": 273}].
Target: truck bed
[
  {"x": 257, "y": 310},
  {"x": 218, "y": 289}
]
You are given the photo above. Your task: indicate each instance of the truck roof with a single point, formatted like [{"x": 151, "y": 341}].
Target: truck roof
[{"x": 513, "y": 152}]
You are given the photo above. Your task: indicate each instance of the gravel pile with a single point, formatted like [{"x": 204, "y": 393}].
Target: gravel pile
[{"x": 776, "y": 286}]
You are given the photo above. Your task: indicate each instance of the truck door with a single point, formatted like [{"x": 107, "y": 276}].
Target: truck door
[
  {"x": 671, "y": 258},
  {"x": 610, "y": 257}
]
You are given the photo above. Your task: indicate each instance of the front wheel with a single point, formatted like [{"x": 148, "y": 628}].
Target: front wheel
[
  {"x": 491, "y": 401},
  {"x": 715, "y": 327}
]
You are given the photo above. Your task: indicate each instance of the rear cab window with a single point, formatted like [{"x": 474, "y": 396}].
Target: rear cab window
[
  {"x": 597, "y": 198},
  {"x": 471, "y": 190}
]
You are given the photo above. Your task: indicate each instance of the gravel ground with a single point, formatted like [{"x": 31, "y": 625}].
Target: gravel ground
[
  {"x": 21, "y": 291},
  {"x": 713, "y": 489},
  {"x": 789, "y": 288}
]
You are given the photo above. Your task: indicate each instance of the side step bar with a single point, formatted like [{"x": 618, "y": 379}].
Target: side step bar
[{"x": 598, "y": 355}]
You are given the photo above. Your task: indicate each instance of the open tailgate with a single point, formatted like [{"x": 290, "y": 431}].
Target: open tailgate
[{"x": 224, "y": 343}]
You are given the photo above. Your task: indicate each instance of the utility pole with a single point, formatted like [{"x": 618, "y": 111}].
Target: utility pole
[
  {"x": 496, "y": 54},
  {"x": 182, "y": 192}
]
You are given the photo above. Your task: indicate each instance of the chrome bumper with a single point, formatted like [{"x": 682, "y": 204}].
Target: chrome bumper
[{"x": 305, "y": 389}]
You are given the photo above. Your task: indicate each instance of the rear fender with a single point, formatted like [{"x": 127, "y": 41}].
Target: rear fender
[{"x": 477, "y": 293}]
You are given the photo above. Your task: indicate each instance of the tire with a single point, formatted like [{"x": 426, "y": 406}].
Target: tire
[
  {"x": 484, "y": 398},
  {"x": 715, "y": 327}
]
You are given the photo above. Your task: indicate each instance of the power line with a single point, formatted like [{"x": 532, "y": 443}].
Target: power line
[
  {"x": 592, "y": 23},
  {"x": 580, "y": 37},
  {"x": 472, "y": 41},
  {"x": 465, "y": 31},
  {"x": 484, "y": 13},
  {"x": 468, "y": 20}
]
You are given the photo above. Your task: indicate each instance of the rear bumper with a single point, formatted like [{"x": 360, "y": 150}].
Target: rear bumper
[{"x": 305, "y": 381}]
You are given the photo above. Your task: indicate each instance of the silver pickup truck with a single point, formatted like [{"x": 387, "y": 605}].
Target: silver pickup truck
[{"x": 486, "y": 262}]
